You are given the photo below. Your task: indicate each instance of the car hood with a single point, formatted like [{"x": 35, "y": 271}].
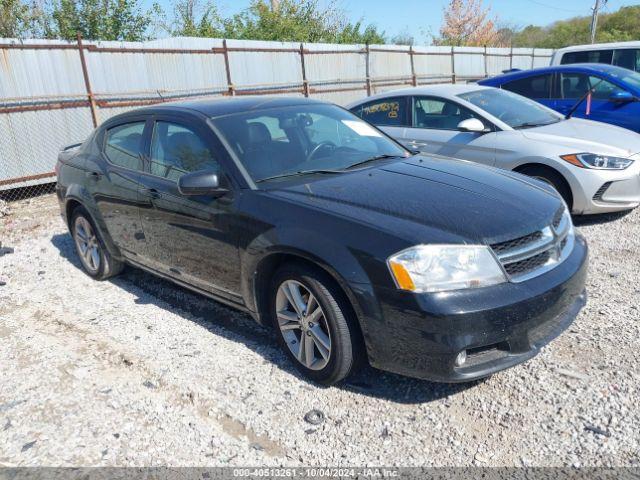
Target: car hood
[
  {"x": 578, "y": 136},
  {"x": 433, "y": 199}
]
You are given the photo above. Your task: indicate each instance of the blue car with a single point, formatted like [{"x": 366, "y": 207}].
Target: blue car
[{"x": 615, "y": 96}]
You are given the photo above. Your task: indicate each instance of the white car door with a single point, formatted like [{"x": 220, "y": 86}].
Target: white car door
[{"x": 434, "y": 129}]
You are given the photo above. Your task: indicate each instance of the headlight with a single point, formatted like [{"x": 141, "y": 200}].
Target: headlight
[
  {"x": 599, "y": 162},
  {"x": 438, "y": 268}
]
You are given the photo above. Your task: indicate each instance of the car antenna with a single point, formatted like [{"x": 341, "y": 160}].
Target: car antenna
[{"x": 579, "y": 102}]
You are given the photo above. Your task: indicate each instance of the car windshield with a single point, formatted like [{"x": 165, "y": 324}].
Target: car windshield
[
  {"x": 513, "y": 109},
  {"x": 303, "y": 139}
]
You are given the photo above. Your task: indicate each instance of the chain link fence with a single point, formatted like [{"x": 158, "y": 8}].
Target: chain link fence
[{"x": 53, "y": 93}]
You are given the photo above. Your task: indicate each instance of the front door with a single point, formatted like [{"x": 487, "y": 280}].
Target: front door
[
  {"x": 434, "y": 129},
  {"x": 571, "y": 87},
  {"x": 113, "y": 183},
  {"x": 190, "y": 238}
]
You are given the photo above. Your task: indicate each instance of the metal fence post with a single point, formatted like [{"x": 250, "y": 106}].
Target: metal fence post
[
  {"x": 414, "y": 79},
  {"x": 87, "y": 82},
  {"x": 366, "y": 69},
  {"x": 486, "y": 68},
  {"x": 453, "y": 64},
  {"x": 533, "y": 57},
  {"x": 511, "y": 58},
  {"x": 305, "y": 83},
  {"x": 225, "y": 52}
]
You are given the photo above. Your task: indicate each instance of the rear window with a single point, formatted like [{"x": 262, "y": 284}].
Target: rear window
[{"x": 531, "y": 87}]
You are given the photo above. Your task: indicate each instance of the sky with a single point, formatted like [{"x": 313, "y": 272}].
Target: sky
[{"x": 420, "y": 17}]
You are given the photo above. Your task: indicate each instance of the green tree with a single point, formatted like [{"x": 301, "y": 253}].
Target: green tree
[
  {"x": 620, "y": 26},
  {"x": 19, "y": 19},
  {"x": 100, "y": 20},
  {"x": 297, "y": 21},
  {"x": 193, "y": 18}
]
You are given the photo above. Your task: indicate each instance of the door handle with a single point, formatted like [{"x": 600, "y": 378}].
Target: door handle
[
  {"x": 152, "y": 192},
  {"x": 93, "y": 175}
]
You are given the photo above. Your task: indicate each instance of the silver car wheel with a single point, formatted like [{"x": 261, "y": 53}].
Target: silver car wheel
[
  {"x": 87, "y": 243},
  {"x": 303, "y": 325}
]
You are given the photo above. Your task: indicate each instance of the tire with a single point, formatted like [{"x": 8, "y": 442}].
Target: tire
[
  {"x": 334, "y": 324},
  {"x": 96, "y": 260},
  {"x": 553, "y": 178}
]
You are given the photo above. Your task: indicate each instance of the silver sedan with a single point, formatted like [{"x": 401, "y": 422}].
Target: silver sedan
[{"x": 594, "y": 166}]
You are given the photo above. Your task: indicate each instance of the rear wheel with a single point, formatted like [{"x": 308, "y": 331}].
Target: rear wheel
[
  {"x": 96, "y": 261},
  {"x": 553, "y": 178},
  {"x": 313, "y": 325}
]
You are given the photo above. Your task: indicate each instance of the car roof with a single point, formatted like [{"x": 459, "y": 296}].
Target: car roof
[
  {"x": 579, "y": 67},
  {"x": 447, "y": 90},
  {"x": 225, "y": 105},
  {"x": 599, "y": 46}
]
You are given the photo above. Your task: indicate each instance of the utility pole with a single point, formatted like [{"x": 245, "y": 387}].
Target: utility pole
[
  {"x": 594, "y": 19},
  {"x": 274, "y": 5}
]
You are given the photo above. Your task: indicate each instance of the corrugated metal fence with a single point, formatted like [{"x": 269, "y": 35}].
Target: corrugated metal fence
[{"x": 52, "y": 93}]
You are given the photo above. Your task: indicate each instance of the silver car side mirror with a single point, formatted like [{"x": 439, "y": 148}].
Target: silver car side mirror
[{"x": 472, "y": 125}]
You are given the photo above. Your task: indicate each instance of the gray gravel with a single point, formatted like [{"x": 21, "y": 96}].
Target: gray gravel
[{"x": 137, "y": 371}]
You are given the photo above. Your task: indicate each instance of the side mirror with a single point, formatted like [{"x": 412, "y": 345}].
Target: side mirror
[
  {"x": 204, "y": 182},
  {"x": 472, "y": 125},
  {"x": 622, "y": 96}
]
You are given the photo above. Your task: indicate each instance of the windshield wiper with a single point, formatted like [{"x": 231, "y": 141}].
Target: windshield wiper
[
  {"x": 534, "y": 124},
  {"x": 299, "y": 173},
  {"x": 372, "y": 159}
]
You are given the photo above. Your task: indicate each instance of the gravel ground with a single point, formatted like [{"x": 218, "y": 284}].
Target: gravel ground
[{"x": 139, "y": 372}]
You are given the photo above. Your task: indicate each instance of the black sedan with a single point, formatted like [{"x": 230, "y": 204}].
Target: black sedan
[{"x": 353, "y": 248}]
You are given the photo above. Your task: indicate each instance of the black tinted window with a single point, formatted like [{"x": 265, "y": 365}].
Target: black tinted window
[
  {"x": 176, "y": 150},
  {"x": 590, "y": 56},
  {"x": 576, "y": 85},
  {"x": 388, "y": 111},
  {"x": 627, "y": 58},
  {"x": 123, "y": 145},
  {"x": 531, "y": 87}
]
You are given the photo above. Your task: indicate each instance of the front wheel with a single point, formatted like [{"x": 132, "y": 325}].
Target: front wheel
[
  {"x": 552, "y": 178},
  {"x": 313, "y": 325}
]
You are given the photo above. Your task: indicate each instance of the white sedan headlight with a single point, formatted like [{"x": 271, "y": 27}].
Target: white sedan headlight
[
  {"x": 439, "y": 268},
  {"x": 598, "y": 162}
]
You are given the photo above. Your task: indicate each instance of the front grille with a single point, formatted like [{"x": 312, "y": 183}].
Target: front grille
[
  {"x": 535, "y": 253},
  {"x": 518, "y": 242},
  {"x": 528, "y": 264},
  {"x": 598, "y": 195}
]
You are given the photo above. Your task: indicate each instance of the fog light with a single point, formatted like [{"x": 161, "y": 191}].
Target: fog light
[{"x": 461, "y": 358}]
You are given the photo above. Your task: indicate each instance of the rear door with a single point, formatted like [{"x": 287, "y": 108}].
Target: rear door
[
  {"x": 112, "y": 180},
  {"x": 536, "y": 87},
  {"x": 190, "y": 238},
  {"x": 389, "y": 114},
  {"x": 434, "y": 129}
]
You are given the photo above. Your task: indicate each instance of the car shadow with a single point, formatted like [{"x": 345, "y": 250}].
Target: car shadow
[
  {"x": 240, "y": 327},
  {"x": 598, "y": 218}
]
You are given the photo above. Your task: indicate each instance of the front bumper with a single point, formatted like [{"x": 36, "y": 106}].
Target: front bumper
[
  {"x": 601, "y": 191},
  {"x": 420, "y": 335}
]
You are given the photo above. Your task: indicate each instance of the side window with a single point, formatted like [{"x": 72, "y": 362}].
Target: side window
[
  {"x": 531, "y": 87},
  {"x": 627, "y": 58},
  {"x": 588, "y": 56},
  {"x": 573, "y": 85},
  {"x": 439, "y": 114},
  {"x": 123, "y": 145},
  {"x": 176, "y": 150},
  {"x": 385, "y": 112},
  {"x": 602, "y": 88}
]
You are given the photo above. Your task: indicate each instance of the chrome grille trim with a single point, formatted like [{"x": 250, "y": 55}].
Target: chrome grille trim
[{"x": 538, "y": 252}]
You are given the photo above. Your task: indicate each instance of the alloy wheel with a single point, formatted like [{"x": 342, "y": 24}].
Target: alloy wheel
[
  {"x": 87, "y": 243},
  {"x": 303, "y": 325}
]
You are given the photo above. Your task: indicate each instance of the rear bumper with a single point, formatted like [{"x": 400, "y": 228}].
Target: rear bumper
[{"x": 498, "y": 327}]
